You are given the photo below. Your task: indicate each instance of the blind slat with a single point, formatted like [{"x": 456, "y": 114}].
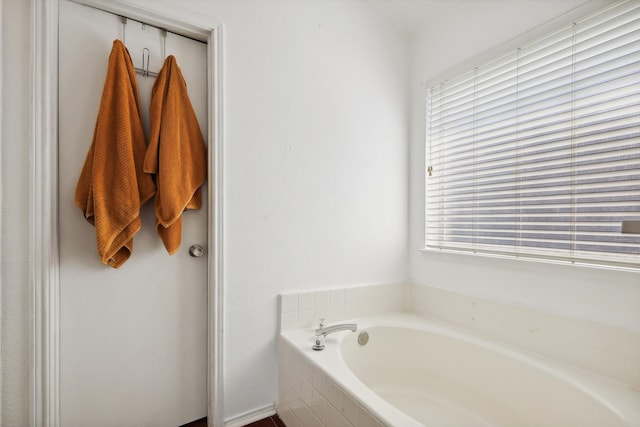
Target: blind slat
[{"x": 538, "y": 152}]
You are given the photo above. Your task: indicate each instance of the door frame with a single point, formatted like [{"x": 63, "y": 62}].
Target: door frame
[{"x": 44, "y": 260}]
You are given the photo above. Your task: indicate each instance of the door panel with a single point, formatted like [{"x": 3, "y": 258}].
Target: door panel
[{"x": 133, "y": 340}]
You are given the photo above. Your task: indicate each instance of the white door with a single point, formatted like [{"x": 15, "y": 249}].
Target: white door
[{"x": 132, "y": 340}]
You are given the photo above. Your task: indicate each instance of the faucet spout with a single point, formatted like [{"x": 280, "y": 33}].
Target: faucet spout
[
  {"x": 335, "y": 328},
  {"x": 323, "y": 331}
]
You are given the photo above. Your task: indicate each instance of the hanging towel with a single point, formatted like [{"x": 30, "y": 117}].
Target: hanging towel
[
  {"x": 176, "y": 155},
  {"x": 112, "y": 185}
]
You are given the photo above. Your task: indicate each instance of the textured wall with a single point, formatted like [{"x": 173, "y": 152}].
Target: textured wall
[
  {"x": 15, "y": 207},
  {"x": 315, "y": 168}
]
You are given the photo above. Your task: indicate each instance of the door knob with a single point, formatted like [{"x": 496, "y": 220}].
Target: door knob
[{"x": 196, "y": 251}]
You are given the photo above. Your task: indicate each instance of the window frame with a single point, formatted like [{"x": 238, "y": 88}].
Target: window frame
[{"x": 498, "y": 252}]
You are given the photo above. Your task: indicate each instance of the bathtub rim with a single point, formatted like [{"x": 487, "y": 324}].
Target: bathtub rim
[
  {"x": 343, "y": 377},
  {"x": 621, "y": 398}
]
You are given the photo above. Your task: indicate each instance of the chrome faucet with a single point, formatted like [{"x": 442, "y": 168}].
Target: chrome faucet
[{"x": 323, "y": 331}]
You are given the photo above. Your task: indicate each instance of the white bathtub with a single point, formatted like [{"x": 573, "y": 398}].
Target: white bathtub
[{"x": 416, "y": 372}]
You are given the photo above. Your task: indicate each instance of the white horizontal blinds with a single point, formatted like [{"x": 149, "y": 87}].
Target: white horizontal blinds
[
  {"x": 607, "y": 135},
  {"x": 538, "y": 152}
]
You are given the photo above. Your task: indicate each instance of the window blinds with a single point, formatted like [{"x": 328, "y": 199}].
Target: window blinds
[{"x": 537, "y": 153}]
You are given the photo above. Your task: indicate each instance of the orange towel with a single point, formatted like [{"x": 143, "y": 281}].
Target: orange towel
[
  {"x": 112, "y": 185},
  {"x": 177, "y": 154}
]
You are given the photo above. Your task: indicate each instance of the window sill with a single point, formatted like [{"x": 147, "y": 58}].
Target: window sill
[{"x": 556, "y": 261}]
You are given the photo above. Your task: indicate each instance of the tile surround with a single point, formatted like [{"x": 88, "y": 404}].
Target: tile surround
[
  {"x": 596, "y": 347},
  {"x": 306, "y": 396},
  {"x": 606, "y": 350},
  {"x": 304, "y": 309},
  {"x": 309, "y": 398}
]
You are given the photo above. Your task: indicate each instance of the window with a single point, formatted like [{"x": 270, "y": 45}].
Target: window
[{"x": 537, "y": 153}]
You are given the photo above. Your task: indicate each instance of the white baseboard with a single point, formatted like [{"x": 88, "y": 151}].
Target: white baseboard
[{"x": 251, "y": 416}]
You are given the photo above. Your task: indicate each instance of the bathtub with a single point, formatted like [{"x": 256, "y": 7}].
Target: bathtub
[{"x": 419, "y": 372}]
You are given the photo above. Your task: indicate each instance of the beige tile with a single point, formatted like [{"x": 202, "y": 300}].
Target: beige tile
[{"x": 289, "y": 303}]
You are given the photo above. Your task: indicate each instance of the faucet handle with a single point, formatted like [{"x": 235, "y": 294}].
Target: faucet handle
[
  {"x": 318, "y": 342},
  {"x": 321, "y": 323}
]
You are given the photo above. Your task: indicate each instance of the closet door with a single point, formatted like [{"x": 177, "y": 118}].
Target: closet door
[{"x": 133, "y": 340}]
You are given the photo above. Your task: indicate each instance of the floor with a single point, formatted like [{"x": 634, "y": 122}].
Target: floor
[{"x": 273, "y": 421}]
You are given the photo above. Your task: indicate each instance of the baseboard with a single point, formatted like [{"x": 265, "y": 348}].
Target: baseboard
[{"x": 251, "y": 416}]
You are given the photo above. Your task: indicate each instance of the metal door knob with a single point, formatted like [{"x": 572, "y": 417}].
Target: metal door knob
[{"x": 196, "y": 251}]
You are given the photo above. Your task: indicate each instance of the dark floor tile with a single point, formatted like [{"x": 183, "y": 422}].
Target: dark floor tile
[
  {"x": 277, "y": 421},
  {"x": 273, "y": 421},
  {"x": 198, "y": 423},
  {"x": 262, "y": 423}
]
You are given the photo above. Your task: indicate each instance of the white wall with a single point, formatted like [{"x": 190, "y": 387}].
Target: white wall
[
  {"x": 601, "y": 295},
  {"x": 14, "y": 170},
  {"x": 316, "y": 167},
  {"x": 315, "y": 154}
]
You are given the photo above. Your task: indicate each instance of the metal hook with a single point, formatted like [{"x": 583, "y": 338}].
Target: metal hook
[
  {"x": 163, "y": 32},
  {"x": 145, "y": 68},
  {"x": 124, "y": 24}
]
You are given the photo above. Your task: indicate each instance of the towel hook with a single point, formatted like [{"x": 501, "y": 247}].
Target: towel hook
[
  {"x": 145, "y": 66},
  {"x": 124, "y": 25},
  {"x": 163, "y": 32}
]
